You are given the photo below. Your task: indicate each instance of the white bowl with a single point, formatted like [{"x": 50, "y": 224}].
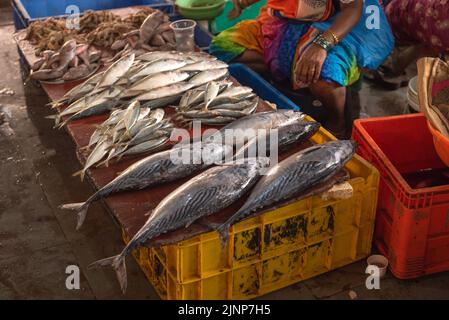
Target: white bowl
[{"x": 379, "y": 261}]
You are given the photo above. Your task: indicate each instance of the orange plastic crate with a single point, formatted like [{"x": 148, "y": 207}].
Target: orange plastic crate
[{"x": 412, "y": 225}]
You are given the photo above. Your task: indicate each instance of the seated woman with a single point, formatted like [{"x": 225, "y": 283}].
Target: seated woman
[
  {"x": 422, "y": 26},
  {"x": 320, "y": 44}
]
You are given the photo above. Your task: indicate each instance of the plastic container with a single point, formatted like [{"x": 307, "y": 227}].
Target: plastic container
[
  {"x": 265, "y": 253},
  {"x": 412, "y": 225},
  {"x": 222, "y": 22},
  {"x": 184, "y": 30},
  {"x": 379, "y": 261},
  {"x": 27, "y": 11},
  {"x": 200, "y": 9},
  {"x": 441, "y": 144},
  {"x": 248, "y": 77}
]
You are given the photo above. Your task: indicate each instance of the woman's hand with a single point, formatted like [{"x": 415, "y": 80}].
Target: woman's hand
[{"x": 309, "y": 66}]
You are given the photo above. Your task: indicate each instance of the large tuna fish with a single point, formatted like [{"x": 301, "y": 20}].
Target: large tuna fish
[
  {"x": 292, "y": 177},
  {"x": 154, "y": 169},
  {"x": 205, "y": 194}
]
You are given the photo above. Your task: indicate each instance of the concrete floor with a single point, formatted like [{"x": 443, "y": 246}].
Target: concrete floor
[{"x": 38, "y": 241}]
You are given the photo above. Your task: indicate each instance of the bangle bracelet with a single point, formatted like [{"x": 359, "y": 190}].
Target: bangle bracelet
[
  {"x": 336, "y": 39},
  {"x": 322, "y": 42}
]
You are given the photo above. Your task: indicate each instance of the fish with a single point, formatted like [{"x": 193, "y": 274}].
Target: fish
[
  {"x": 204, "y": 65},
  {"x": 98, "y": 105},
  {"x": 233, "y": 94},
  {"x": 208, "y": 76},
  {"x": 171, "y": 90},
  {"x": 287, "y": 135},
  {"x": 149, "y": 25},
  {"x": 79, "y": 91},
  {"x": 205, "y": 194},
  {"x": 211, "y": 93},
  {"x": 242, "y": 105},
  {"x": 131, "y": 115},
  {"x": 156, "y": 81},
  {"x": 156, "y": 67},
  {"x": 115, "y": 71},
  {"x": 292, "y": 177},
  {"x": 96, "y": 155},
  {"x": 46, "y": 74},
  {"x": 152, "y": 170},
  {"x": 66, "y": 54},
  {"x": 161, "y": 102},
  {"x": 255, "y": 121},
  {"x": 76, "y": 73},
  {"x": 145, "y": 146},
  {"x": 156, "y": 55}
]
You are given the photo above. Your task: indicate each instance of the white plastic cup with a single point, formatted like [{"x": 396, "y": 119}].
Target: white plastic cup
[
  {"x": 379, "y": 261},
  {"x": 184, "y": 34}
]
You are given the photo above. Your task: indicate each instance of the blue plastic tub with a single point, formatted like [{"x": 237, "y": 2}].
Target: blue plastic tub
[
  {"x": 261, "y": 87},
  {"x": 27, "y": 11}
]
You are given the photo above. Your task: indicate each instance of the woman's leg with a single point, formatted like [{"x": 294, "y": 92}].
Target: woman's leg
[{"x": 333, "y": 97}]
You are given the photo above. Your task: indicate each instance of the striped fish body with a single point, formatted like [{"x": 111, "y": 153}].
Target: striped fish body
[
  {"x": 294, "y": 176},
  {"x": 153, "y": 170},
  {"x": 205, "y": 194}
]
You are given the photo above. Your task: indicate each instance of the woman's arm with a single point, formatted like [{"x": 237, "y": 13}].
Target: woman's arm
[
  {"x": 350, "y": 13},
  {"x": 311, "y": 62}
]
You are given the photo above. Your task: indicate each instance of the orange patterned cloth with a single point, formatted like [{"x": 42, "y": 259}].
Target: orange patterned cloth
[{"x": 305, "y": 10}]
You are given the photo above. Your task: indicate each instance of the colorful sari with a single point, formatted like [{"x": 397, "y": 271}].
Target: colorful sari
[
  {"x": 420, "y": 21},
  {"x": 285, "y": 28}
]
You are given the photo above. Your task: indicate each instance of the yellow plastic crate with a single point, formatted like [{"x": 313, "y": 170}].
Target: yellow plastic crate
[{"x": 276, "y": 249}]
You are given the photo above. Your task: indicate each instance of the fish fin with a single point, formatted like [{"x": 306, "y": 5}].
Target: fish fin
[
  {"x": 80, "y": 173},
  {"x": 103, "y": 163},
  {"x": 223, "y": 234},
  {"x": 81, "y": 207},
  {"x": 118, "y": 263}
]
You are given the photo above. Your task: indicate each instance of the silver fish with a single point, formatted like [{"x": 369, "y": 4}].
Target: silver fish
[
  {"x": 204, "y": 65},
  {"x": 292, "y": 177},
  {"x": 96, "y": 155},
  {"x": 115, "y": 71},
  {"x": 153, "y": 170},
  {"x": 131, "y": 115},
  {"x": 145, "y": 146},
  {"x": 211, "y": 93},
  {"x": 207, "y": 76},
  {"x": 156, "y": 81},
  {"x": 157, "y": 67},
  {"x": 171, "y": 90},
  {"x": 206, "y": 194}
]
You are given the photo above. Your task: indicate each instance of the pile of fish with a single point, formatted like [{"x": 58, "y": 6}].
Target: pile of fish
[
  {"x": 153, "y": 34},
  {"x": 70, "y": 62},
  {"x": 219, "y": 187},
  {"x": 159, "y": 168},
  {"x": 156, "y": 79},
  {"x": 146, "y": 30},
  {"x": 129, "y": 131},
  {"x": 216, "y": 103}
]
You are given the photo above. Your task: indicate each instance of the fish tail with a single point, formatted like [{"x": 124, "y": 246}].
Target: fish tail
[
  {"x": 80, "y": 173},
  {"x": 81, "y": 208},
  {"x": 223, "y": 233},
  {"x": 118, "y": 263}
]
